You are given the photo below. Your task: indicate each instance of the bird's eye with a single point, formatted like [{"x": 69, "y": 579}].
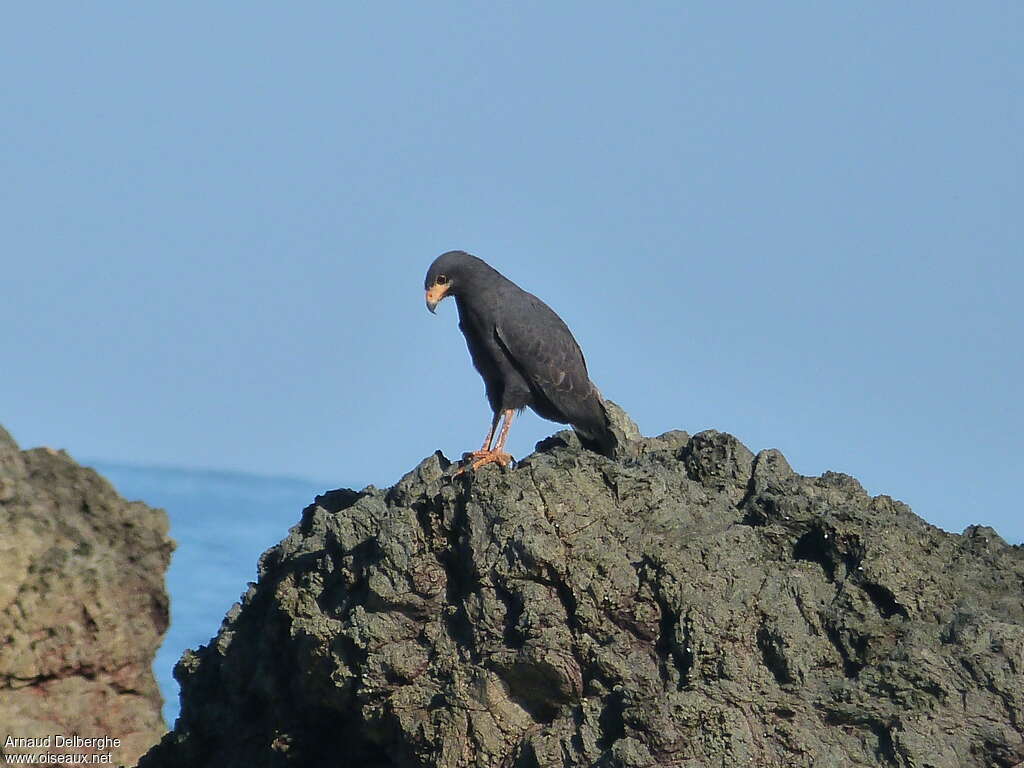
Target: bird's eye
[{"x": 442, "y": 280}]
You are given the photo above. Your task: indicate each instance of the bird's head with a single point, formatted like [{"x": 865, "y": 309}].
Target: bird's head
[{"x": 449, "y": 272}]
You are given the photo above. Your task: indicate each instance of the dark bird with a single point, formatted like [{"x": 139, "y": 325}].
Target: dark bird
[{"x": 525, "y": 353}]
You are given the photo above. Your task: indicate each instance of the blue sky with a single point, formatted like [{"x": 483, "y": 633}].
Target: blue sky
[{"x": 797, "y": 222}]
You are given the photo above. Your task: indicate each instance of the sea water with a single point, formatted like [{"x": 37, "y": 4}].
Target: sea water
[{"x": 222, "y": 522}]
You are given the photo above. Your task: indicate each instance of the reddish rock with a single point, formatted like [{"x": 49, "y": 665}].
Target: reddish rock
[{"x": 83, "y": 609}]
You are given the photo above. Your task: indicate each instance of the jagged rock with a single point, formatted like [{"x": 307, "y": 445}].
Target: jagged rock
[
  {"x": 687, "y": 605},
  {"x": 82, "y": 606}
]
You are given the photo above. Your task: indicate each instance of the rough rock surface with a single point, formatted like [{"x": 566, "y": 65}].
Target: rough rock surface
[
  {"x": 82, "y": 606},
  {"x": 687, "y": 605}
]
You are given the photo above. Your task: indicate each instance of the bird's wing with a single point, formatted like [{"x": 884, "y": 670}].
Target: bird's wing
[{"x": 544, "y": 351}]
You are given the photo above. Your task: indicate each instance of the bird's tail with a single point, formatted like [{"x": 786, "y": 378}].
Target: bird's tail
[
  {"x": 608, "y": 430},
  {"x": 601, "y": 441}
]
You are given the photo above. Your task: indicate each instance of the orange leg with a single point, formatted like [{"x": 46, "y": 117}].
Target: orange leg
[
  {"x": 509, "y": 415},
  {"x": 485, "y": 449},
  {"x": 497, "y": 456}
]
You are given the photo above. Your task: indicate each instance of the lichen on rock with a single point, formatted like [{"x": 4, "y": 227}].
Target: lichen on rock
[{"x": 686, "y": 604}]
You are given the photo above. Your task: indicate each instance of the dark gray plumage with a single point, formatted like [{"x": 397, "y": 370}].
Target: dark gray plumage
[{"x": 524, "y": 351}]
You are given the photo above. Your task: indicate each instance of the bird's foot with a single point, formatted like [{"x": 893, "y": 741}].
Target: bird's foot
[{"x": 479, "y": 459}]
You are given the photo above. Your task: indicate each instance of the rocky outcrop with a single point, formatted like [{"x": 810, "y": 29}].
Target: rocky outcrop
[
  {"x": 82, "y": 610},
  {"x": 688, "y": 605}
]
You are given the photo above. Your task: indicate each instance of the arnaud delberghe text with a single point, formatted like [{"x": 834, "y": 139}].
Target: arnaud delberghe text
[{"x": 58, "y": 741}]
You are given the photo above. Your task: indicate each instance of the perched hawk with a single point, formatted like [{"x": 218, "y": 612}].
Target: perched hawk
[{"x": 525, "y": 353}]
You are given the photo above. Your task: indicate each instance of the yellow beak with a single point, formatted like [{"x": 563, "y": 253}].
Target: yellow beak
[{"x": 434, "y": 295}]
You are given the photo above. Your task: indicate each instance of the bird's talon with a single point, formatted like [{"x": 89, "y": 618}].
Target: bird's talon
[
  {"x": 493, "y": 457},
  {"x": 482, "y": 459}
]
